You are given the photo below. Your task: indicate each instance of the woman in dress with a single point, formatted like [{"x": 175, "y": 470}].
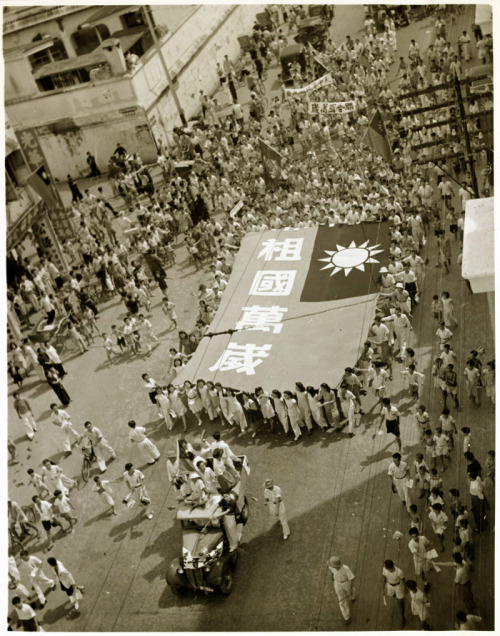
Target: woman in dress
[
  {"x": 294, "y": 413},
  {"x": 213, "y": 395},
  {"x": 185, "y": 346},
  {"x": 207, "y": 474},
  {"x": 54, "y": 379},
  {"x": 489, "y": 380},
  {"x": 194, "y": 401},
  {"x": 226, "y": 480},
  {"x": 303, "y": 404},
  {"x": 206, "y": 400},
  {"x": 327, "y": 398},
  {"x": 448, "y": 311},
  {"x": 266, "y": 407},
  {"x": 252, "y": 412},
  {"x": 148, "y": 450},
  {"x": 54, "y": 478},
  {"x": 236, "y": 409},
  {"x": 164, "y": 408},
  {"x": 177, "y": 405},
  {"x": 280, "y": 409},
  {"x": 224, "y": 403},
  {"x": 16, "y": 354},
  {"x": 315, "y": 407}
]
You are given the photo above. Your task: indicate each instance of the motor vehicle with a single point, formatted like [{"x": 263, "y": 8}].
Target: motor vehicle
[
  {"x": 312, "y": 31},
  {"x": 206, "y": 563},
  {"x": 323, "y": 11},
  {"x": 289, "y": 55}
]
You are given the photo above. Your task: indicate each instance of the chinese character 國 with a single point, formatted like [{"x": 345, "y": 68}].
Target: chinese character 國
[
  {"x": 257, "y": 318},
  {"x": 273, "y": 283},
  {"x": 242, "y": 358}
]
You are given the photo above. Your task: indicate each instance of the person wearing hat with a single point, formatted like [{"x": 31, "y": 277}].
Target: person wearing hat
[
  {"x": 401, "y": 299},
  {"x": 387, "y": 282},
  {"x": 273, "y": 499},
  {"x": 343, "y": 585}
]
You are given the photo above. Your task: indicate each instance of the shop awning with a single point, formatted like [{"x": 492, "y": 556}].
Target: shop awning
[
  {"x": 105, "y": 12},
  {"x": 128, "y": 37},
  {"x": 71, "y": 64}
]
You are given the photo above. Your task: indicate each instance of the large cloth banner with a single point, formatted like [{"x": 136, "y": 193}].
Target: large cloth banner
[
  {"x": 319, "y": 83},
  {"x": 298, "y": 307},
  {"x": 331, "y": 108}
]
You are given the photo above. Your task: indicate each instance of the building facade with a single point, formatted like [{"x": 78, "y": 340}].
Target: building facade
[{"x": 81, "y": 79}]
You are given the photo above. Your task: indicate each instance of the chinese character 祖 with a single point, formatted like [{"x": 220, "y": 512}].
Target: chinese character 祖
[
  {"x": 273, "y": 283},
  {"x": 241, "y": 358},
  {"x": 259, "y": 318},
  {"x": 287, "y": 250}
]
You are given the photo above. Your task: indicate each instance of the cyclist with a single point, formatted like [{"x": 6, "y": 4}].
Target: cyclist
[{"x": 18, "y": 521}]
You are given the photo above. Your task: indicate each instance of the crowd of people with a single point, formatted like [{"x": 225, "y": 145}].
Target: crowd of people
[{"x": 329, "y": 176}]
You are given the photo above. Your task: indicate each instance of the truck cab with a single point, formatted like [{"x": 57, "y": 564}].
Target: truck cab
[{"x": 207, "y": 561}]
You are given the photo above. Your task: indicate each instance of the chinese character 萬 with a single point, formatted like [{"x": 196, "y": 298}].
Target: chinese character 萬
[
  {"x": 257, "y": 318},
  {"x": 241, "y": 358},
  {"x": 287, "y": 250},
  {"x": 273, "y": 283}
]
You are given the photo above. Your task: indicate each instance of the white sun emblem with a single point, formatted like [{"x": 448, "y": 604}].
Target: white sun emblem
[{"x": 349, "y": 258}]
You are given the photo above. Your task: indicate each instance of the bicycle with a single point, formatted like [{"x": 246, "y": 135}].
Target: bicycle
[
  {"x": 88, "y": 459},
  {"x": 63, "y": 341}
]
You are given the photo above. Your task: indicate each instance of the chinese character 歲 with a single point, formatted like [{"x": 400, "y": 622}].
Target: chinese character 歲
[
  {"x": 287, "y": 250},
  {"x": 241, "y": 358},
  {"x": 273, "y": 283},
  {"x": 259, "y": 318}
]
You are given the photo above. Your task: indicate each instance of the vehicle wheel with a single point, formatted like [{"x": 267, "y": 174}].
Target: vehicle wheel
[
  {"x": 227, "y": 580},
  {"x": 176, "y": 589},
  {"x": 70, "y": 345},
  {"x": 85, "y": 470}
]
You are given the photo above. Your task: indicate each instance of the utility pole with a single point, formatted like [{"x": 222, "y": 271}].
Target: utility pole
[
  {"x": 149, "y": 20},
  {"x": 470, "y": 159}
]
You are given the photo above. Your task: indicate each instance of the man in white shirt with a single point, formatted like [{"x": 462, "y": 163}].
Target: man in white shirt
[
  {"x": 401, "y": 326},
  {"x": 380, "y": 338},
  {"x": 343, "y": 583},
  {"x": 393, "y": 581},
  {"x": 419, "y": 546},
  {"x": 46, "y": 513},
  {"x": 398, "y": 473},
  {"x": 390, "y": 415},
  {"x": 94, "y": 435},
  {"x": 138, "y": 493},
  {"x": 31, "y": 567}
]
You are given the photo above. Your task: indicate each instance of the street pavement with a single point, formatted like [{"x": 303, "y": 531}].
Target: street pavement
[{"x": 335, "y": 488}]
